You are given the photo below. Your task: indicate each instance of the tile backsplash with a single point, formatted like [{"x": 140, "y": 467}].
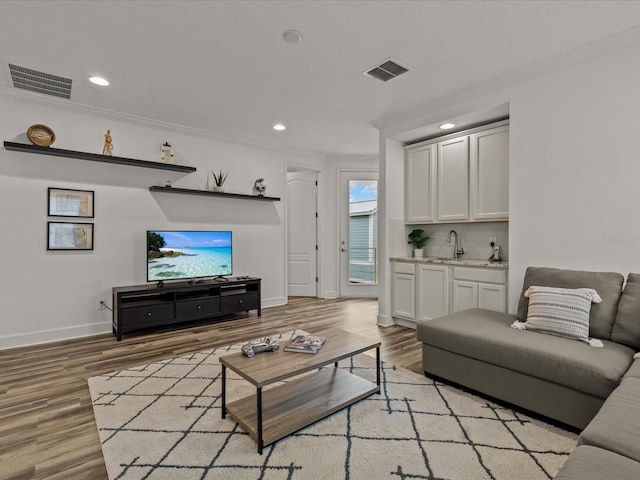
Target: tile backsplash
[{"x": 473, "y": 237}]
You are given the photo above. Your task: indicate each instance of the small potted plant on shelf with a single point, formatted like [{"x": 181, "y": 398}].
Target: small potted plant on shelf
[
  {"x": 218, "y": 179},
  {"x": 418, "y": 240}
]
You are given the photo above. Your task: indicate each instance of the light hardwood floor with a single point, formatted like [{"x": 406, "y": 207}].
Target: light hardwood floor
[{"x": 47, "y": 428}]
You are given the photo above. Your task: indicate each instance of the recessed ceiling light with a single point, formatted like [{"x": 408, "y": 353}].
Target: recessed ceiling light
[
  {"x": 103, "y": 82},
  {"x": 292, "y": 36},
  {"x": 279, "y": 127},
  {"x": 447, "y": 126}
]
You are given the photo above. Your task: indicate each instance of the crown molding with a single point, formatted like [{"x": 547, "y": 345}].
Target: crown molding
[{"x": 82, "y": 109}]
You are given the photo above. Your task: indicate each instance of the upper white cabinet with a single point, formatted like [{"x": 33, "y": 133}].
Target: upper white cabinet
[
  {"x": 489, "y": 186},
  {"x": 453, "y": 180},
  {"x": 462, "y": 177},
  {"x": 420, "y": 179}
]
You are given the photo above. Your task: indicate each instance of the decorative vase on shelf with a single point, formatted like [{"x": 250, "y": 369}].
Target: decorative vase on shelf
[
  {"x": 218, "y": 181},
  {"x": 418, "y": 252}
]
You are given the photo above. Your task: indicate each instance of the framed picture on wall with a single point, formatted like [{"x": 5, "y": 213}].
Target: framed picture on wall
[
  {"x": 66, "y": 202},
  {"x": 69, "y": 236}
]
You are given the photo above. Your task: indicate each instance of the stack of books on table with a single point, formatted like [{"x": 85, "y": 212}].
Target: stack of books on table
[{"x": 305, "y": 344}]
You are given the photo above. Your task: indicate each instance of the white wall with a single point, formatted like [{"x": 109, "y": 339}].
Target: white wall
[
  {"x": 575, "y": 169},
  {"x": 47, "y": 296},
  {"x": 574, "y": 176}
]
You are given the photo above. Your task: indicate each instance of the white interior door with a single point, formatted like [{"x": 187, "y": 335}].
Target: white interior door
[
  {"x": 358, "y": 204},
  {"x": 302, "y": 234}
]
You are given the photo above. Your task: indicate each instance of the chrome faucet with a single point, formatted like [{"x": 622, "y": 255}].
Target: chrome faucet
[{"x": 457, "y": 249}]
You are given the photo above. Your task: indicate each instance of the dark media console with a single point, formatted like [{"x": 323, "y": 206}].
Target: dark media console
[{"x": 140, "y": 307}]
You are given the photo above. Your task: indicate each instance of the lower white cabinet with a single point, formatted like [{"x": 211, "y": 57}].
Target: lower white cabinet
[
  {"x": 422, "y": 291},
  {"x": 479, "y": 288},
  {"x": 465, "y": 295},
  {"x": 432, "y": 296},
  {"x": 403, "y": 290},
  {"x": 492, "y": 297}
]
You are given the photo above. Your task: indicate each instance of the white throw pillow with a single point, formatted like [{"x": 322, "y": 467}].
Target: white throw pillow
[{"x": 560, "y": 311}]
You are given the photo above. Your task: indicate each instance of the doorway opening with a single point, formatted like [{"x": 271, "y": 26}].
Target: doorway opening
[{"x": 359, "y": 234}]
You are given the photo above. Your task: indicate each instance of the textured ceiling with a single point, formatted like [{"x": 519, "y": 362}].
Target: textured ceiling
[{"x": 223, "y": 67}]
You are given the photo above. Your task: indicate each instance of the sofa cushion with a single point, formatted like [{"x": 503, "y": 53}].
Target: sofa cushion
[
  {"x": 617, "y": 424},
  {"x": 634, "y": 370},
  {"x": 560, "y": 311},
  {"x": 626, "y": 329},
  {"x": 487, "y": 336},
  {"x": 607, "y": 284},
  {"x": 592, "y": 463}
]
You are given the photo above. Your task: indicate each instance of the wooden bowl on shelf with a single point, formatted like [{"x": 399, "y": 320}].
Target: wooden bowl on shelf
[{"x": 41, "y": 135}]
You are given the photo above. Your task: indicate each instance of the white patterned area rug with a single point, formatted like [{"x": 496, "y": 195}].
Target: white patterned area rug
[{"x": 163, "y": 421}]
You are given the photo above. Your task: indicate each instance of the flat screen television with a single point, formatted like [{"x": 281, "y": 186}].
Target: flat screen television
[{"x": 187, "y": 254}]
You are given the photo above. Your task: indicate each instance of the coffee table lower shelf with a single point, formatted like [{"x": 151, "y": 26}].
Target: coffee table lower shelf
[{"x": 294, "y": 405}]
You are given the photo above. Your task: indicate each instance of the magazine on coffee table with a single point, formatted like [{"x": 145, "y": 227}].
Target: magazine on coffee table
[{"x": 305, "y": 344}]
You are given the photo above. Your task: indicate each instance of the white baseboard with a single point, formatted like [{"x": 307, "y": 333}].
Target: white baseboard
[
  {"x": 405, "y": 323},
  {"x": 79, "y": 331},
  {"x": 53, "y": 335},
  {"x": 385, "y": 320},
  {"x": 329, "y": 295},
  {"x": 67, "y": 333},
  {"x": 273, "y": 302}
]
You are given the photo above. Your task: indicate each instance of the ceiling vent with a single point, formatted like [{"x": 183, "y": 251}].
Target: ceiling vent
[
  {"x": 386, "y": 71},
  {"x": 40, "y": 82}
]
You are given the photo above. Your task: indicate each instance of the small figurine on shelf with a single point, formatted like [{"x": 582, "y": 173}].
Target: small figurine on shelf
[
  {"x": 107, "y": 148},
  {"x": 260, "y": 186},
  {"x": 166, "y": 153}
]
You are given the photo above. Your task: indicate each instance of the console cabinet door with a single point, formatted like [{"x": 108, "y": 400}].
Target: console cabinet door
[
  {"x": 453, "y": 180},
  {"x": 420, "y": 182},
  {"x": 432, "y": 291},
  {"x": 490, "y": 174}
]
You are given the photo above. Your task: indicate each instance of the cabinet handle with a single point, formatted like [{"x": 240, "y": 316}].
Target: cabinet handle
[
  {"x": 148, "y": 314},
  {"x": 241, "y": 301},
  {"x": 199, "y": 307}
]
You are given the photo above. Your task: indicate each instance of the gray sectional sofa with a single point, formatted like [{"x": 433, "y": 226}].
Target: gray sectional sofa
[{"x": 596, "y": 390}]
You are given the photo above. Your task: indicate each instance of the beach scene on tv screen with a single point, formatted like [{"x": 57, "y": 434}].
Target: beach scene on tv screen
[{"x": 176, "y": 255}]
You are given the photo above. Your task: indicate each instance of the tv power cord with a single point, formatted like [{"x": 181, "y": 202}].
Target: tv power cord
[{"x": 102, "y": 304}]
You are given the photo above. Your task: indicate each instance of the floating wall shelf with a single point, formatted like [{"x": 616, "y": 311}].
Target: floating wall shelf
[
  {"x": 58, "y": 152},
  {"x": 189, "y": 191}
]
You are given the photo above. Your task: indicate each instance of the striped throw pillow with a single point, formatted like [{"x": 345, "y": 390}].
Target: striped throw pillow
[{"x": 561, "y": 311}]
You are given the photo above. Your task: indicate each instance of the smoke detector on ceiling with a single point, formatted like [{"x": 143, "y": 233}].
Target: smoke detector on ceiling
[
  {"x": 387, "y": 70},
  {"x": 40, "y": 82}
]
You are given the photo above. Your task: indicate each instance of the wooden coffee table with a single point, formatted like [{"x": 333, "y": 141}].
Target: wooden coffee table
[{"x": 281, "y": 410}]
